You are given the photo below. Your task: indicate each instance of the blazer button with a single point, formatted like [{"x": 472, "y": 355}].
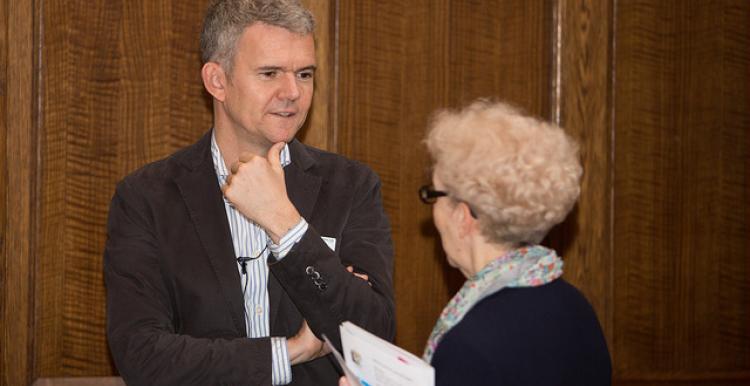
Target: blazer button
[{"x": 309, "y": 270}]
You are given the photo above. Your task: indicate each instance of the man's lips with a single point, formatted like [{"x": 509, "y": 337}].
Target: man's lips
[{"x": 284, "y": 114}]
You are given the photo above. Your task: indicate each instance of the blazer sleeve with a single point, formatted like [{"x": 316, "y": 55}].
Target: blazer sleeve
[
  {"x": 141, "y": 330},
  {"x": 316, "y": 280}
]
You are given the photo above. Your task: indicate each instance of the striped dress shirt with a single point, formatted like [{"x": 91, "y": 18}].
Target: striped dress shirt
[{"x": 251, "y": 241}]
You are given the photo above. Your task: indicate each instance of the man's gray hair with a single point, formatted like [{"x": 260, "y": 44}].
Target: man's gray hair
[{"x": 226, "y": 20}]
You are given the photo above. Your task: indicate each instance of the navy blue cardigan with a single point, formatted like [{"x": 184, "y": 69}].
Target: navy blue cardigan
[{"x": 546, "y": 335}]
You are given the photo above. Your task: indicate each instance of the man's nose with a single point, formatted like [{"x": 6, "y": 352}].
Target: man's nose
[{"x": 289, "y": 89}]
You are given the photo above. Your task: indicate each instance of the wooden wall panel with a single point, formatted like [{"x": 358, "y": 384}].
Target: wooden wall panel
[
  {"x": 399, "y": 63},
  {"x": 319, "y": 128},
  {"x": 681, "y": 246},
  {"x": 393, "y": 73},
  {"x": 17, "y": 188},
  {"x": 501, "y": 49},
  {"x": 582, "y": 105},
  {"x": 120, "y": 87}
]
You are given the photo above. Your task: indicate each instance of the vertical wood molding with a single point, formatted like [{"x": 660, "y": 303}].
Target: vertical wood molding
[
  {"x": 581, "y": 103},
  {"x": 19, "y": 173},
  {"x": 318, "y": 130}
]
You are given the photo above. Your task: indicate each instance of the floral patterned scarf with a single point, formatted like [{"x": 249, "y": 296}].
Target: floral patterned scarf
[{"x": 528, "y": 266}]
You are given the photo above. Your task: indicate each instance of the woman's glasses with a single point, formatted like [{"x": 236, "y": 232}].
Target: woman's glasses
[{"x": 428, "y": 194}]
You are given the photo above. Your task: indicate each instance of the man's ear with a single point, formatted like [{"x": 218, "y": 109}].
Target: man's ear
[{"x": 214, "y": 80}]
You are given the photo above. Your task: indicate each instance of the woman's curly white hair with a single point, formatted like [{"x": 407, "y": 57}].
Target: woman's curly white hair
[{"x": 519, "y": 174}]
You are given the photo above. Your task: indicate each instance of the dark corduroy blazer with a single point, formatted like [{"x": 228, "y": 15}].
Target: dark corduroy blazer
[{"x": 174, "y": 301}]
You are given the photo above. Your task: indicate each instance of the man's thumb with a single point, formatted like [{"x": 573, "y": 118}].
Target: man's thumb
[{"x": 274, "y": 154}]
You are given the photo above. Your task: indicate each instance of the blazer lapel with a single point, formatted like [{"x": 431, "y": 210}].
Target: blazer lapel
[
  {"x": 303, "y": 187},
  {"x": 204, "y": 200}
]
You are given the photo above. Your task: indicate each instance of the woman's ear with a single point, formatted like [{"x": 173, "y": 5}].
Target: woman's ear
[
  {"x": 214, "y": 80},
  {"x": 465, "y": 221}
]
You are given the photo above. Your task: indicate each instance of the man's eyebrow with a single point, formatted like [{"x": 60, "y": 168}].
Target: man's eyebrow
[
  {"x": 279, "y": 68},
  {"x": 270, "y": 68}
]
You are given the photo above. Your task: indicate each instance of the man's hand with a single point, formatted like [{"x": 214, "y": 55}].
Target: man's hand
[
  {"x": 257, "y": 189},
  {"x": 362, "y": 276},
  {"x": 305, "y": 346}
]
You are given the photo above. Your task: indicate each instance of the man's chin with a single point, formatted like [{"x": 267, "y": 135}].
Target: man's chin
[
  {"x": 286, "y": 137},
  {"x": 288, "y": 134}
]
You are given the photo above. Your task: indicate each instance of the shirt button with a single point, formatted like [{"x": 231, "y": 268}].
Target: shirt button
[{"x": 259, "y": 309}]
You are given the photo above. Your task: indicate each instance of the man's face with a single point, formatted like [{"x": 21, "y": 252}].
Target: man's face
[{"x": 269, "y": 91}]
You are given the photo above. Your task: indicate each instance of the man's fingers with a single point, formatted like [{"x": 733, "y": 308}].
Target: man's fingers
[
  {"x": 362, "y": 276},
  {"x": 274, "y": 154},
  {"x": 234, "y": 167},
  {"x": 245, "y": 157},
  {"x": 273, "y": 157}
]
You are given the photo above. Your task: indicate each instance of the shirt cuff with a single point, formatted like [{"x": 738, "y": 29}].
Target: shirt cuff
[
  {"x": 286, "y": 243},
  {"x": 281, "y": 368}
]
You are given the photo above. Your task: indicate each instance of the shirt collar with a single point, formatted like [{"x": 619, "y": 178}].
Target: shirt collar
[{"x": 221, "y": 169}]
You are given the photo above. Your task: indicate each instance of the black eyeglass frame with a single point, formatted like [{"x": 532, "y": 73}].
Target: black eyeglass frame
[{"x": 429, "y": 195}]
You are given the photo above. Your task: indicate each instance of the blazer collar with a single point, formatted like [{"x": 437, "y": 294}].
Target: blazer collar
[{"x": 205, "y": 204}]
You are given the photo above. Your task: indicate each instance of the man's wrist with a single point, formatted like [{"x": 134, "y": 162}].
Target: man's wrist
[
  {"x": 292, "y": 237},
  {"x": 283, "y": 224},
  {"x": 296, "y": 349},
  {"x": 303, "y": 347}
]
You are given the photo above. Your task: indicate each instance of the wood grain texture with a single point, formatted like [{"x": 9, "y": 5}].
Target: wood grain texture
[
  {"x": 581, "y": 105},
  {"x": 391, "y": 78},
  {"x": 500, "y": 49},
  {"x": 397, "y": 65},
  {"x": 80, "y": 381},
  {"x": 121, "y": 87},
  {"x": 18, "y": 189},
  {"x": 681, "y": 246},
  {"x": 318, "y": 130}
]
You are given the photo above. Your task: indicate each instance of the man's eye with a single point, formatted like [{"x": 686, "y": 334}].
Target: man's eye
[
  {"x": 305, "y": 75},
  {"x": 269, "y": 74}
]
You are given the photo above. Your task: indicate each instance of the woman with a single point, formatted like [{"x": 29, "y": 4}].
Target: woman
[{"x": 501, "y": 180}]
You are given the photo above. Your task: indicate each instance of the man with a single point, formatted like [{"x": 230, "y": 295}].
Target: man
[{"x": 226, "y": 262}]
